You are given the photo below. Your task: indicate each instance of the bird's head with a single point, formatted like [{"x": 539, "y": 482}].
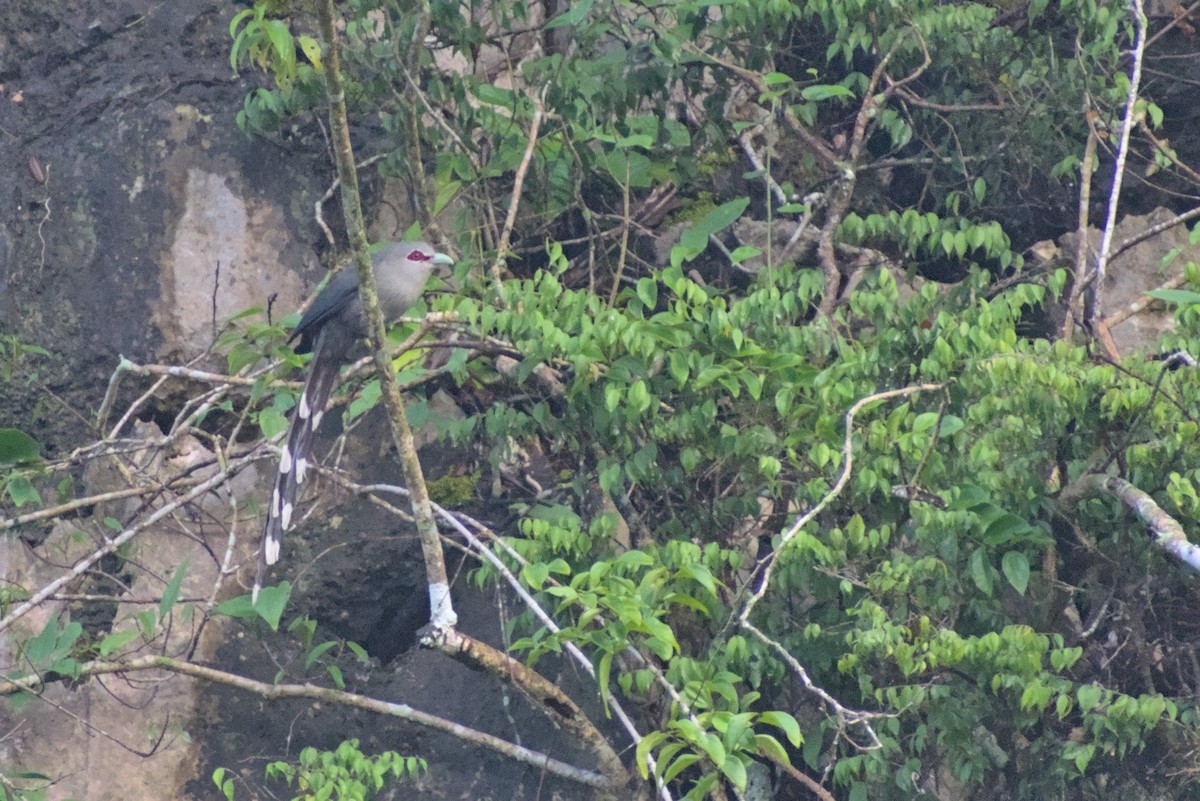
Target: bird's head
[{"x": 416, "y": 258}]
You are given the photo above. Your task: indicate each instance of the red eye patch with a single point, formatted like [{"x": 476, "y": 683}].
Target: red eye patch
[{"x": 417, "y": 255}]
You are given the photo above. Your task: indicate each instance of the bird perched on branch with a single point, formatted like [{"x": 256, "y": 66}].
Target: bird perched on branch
[{"x": 329, "y": 329}]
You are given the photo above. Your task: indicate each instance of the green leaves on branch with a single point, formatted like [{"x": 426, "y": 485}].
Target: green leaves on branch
[
  {"x": 267, "y": 43},
  {"x": 343, "y": 774},
  {"x": 694, "y": 240},
  {"x": 676, "y": 388},
  {"x": 271, "y": 603}
]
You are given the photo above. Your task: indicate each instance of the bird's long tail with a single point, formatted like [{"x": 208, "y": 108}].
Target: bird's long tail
[{"x": 294, "y": 460}]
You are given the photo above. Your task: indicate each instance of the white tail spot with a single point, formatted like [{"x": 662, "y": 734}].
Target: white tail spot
[
  {"x": 304, "y": 409},
  {"x": 270, "y": 550},
  {"x": 285, "y": 460},
  {"x": 301, "y": 469},
  {"x": 285, "y": 516}
]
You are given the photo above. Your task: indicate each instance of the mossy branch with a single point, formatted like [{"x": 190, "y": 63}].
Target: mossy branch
[
  {"x": 1167, "y": 532},
  {"x": 441, "y": 609}
]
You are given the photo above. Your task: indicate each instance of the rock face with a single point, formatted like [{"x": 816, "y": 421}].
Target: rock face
[
  {"x": 137, "y": 216},
  {"x": 1148, "y": 265},
  {"x": 137, "y": 212}
]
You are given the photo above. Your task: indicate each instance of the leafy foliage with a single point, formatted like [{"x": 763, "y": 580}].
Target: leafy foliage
[
  {"x": 698, "y": 406},
  {"x": 696, "y": 420},
  {"x": 911, "y": 606},
  {"x": 344, "y": 774}
]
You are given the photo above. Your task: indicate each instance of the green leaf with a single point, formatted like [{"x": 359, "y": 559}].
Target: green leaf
[
  {"x": 723, "y": 216},
  {"x": 285, "y": 48},
  {"x": 366, "y": 400},
  {"x": 311, "y": 49},
  {"x": 22, "y": 492},
  {"x": 720, "y": 218},
  {"x": 639, "y": 396},
  {"x": 223, "y": 784},
  {"x": 1005, "y": 528},
  {"x": 679, "y": 765},
  {"x": 317, "y": 652},
  {"x": 114, "y": 642},
  {"x": 644, "y": 747},
  {"x": 647, "y": 292},
  {"x": 271, "y": 422},
  {"x": 699, "y": 573},
  {"x": 16, "y": 447},
  {"x": 771, "y": 748},
  {"x": 359, "y": 652},
  {"x": 1181, "y": 296},
  {"x": 735, "y": 771},
  {"x": 495, "y": 95},
  {"x": 271, "y": 602},
  {"x": 784, "y": 721},
  {"x": 821, "y": 92},
  {"x": 677, "y": 365},
  {"x": 1089, "y": 696},
  {"x": 148, "y": 621},
  {"x": 924, "y": 421},
  {"x": 336, "y": 674},
  {"x": 743, "y": 252},
  {"x": 603, "y": 671},
  {"x": 575, "y": 14},
  {"x": 981, "y": 572},
  {"x": 951, "y": 425},
  {"x": 736, "y": 729},
  {"x": 711, "y": 744},
  {"x": 1016, "y": 569},
  {"x": 38, "y": 649},
  {"x": 171, "y": 593},
  {"x": 270, "y": 605}
]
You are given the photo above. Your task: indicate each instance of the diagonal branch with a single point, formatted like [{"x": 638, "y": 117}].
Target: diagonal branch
[
  {"x": 441, "y": 609},
  {"x": 1167, "y": 532},
  {"x": 25, "y": 607},
  {"x": 275, "y": 691}
]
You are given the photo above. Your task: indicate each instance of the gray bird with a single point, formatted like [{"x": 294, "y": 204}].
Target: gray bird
[{"x": 329, "y": 329}]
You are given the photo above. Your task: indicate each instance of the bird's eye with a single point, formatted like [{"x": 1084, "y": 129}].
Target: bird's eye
[{"x": 418, "y": 255}]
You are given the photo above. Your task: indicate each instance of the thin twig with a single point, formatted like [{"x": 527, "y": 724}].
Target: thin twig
[
  {"x": 1080, "y": 280},
  {"x": 846, "y": 715},
  {"x": 1127, "y": 125},
  {"x": 539, "y": 111},
  {"x": 25, "y": 607}
]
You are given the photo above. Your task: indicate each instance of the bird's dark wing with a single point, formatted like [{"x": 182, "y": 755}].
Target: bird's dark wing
[{"x": 340, "y": 291}]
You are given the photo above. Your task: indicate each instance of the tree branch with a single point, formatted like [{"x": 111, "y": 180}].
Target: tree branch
[
  {"x": 441, "y": 609},
  {"x": 276, "y": 691},
  {"x": 1167, "y": 532},
  {"x": 1127, "y": 125}
]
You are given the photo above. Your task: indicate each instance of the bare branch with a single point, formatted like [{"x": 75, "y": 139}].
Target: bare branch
[
  {"x": 25, "y": 607},
  {"x": 510, "y": 220},
  {"x": 1127, "y": 125},
  {"x": 366, "y": 703}
]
